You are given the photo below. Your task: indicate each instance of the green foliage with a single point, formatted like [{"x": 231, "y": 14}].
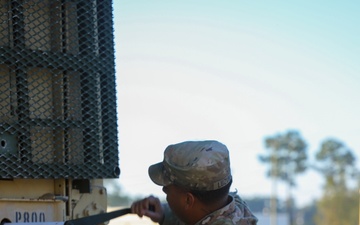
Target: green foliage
[
  {"x": 339, "y": 204},
  {"x": 287, "y": 156},
  {"x": 336, "y": 163},
  {"x": 338, "y": 208}
]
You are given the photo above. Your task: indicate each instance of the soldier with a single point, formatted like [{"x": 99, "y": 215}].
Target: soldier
[{"x": 196, "y": 179}]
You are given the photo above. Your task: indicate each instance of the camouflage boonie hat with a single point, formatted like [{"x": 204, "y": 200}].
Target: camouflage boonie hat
[{"x": 196, "y": 165}]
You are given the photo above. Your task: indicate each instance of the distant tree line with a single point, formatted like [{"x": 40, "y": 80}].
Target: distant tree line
[
  {"x": 287, "y": 156},
  {"x": 116, "y": 197}
]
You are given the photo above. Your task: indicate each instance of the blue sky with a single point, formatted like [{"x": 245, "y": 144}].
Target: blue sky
[{"x": 237, "y": 72}]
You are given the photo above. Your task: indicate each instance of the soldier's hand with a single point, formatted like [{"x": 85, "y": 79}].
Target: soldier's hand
[{"x": 150, "y": 207}]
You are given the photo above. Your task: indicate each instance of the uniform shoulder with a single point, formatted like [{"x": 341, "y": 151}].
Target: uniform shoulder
[{"x": 224, "y": 221}]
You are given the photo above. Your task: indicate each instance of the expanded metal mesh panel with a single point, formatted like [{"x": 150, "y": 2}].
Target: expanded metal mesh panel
[{"x": 57, "y": 90}]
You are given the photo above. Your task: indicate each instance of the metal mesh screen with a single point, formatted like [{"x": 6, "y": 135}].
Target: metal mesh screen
[{"x": 57, "y": 89}]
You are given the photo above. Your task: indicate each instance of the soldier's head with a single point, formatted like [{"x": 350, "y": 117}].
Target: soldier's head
[
  {"x": 193, "y": 169},
  {"x": 194, "y": 165}
]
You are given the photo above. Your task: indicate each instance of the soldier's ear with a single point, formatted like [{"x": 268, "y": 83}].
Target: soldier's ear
[{"x": 190, "y": 200}]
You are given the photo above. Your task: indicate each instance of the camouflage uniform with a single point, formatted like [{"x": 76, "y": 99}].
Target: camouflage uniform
[
  {"x": 201, "y": 166},
  {"x": 235, "y": 213}
]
